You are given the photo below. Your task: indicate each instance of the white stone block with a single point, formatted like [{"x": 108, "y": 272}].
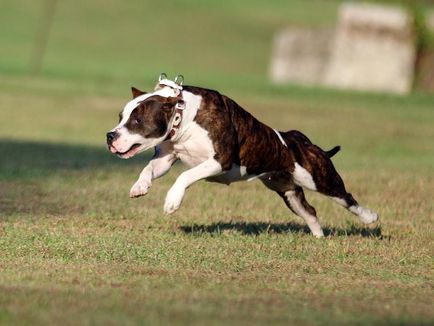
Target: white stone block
[{"x": 373, "y": 49}]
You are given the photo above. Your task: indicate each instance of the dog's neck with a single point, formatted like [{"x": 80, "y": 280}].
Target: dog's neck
[{"x": 192, "y": 104}]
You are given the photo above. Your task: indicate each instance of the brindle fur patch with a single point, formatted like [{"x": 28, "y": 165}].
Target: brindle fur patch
[{"x": 239, "y": 138}]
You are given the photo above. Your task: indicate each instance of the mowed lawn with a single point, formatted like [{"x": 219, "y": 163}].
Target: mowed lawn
[{"x": 74, "y": 249}]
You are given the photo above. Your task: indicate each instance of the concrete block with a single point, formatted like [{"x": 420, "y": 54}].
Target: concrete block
[{"x": 373, "y": 49}]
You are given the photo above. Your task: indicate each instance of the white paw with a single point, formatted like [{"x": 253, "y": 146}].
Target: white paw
[
  {"x": 318, "y": 234},
  {"x": 140, "y": 188},
  {"x": 366, "y": 216},
  {"x": 173, "y": 199}
]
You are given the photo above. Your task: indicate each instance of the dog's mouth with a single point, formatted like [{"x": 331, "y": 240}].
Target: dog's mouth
[{"x": 133, "y": 150}]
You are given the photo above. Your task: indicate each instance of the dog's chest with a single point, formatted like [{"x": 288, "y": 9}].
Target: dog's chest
[{"x": 195, "y": 146}]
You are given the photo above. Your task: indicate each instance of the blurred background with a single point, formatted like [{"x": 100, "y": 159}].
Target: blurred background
[
  {"x": 102, "y": 43},
  {"x": 220, "y": 44},
  {"x": 103, "y": 47}
]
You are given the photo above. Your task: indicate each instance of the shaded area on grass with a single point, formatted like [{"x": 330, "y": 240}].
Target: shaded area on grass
[
  {"x": 257, "y": 228},
  {"x": 27, "y": 159},
  {"x": 28, "y": 170},
  {"x": 25, "y": 198}
]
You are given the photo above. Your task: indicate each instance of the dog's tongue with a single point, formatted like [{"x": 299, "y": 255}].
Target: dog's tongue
[{"x": 131, "y": 153}]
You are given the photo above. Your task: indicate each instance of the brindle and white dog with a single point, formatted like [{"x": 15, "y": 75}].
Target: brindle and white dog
[{"x": 221, "y": 142}]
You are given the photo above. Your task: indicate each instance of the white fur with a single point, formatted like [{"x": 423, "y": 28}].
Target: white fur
[
  {"x": 140, "y": 188},
  {"x": 193, "y": 145},
  {"x": 310, "y": 219},
  {"x": 303, "y": 178},
  {"x": 365, "y": 215},
  {"x": 126, "y": 139},
  {"x": 340, "y": 201},
  {"x": 280, "y": 138},
  {"x": 158, "y": 166},
  {"x": 176, "y": 193},
  {"x": 254, "y": 177}
]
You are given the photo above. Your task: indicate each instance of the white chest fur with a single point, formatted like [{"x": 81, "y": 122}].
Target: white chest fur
[{"x": 194, "y": 146}]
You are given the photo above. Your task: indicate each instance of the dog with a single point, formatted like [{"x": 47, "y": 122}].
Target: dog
[{"x": 221, "y": 142}]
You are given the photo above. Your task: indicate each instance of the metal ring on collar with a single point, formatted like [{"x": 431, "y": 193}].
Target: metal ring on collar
[
  {"x": 162, "y": 76},
  {"x": 179, "y": 79},
  {"x": 177, "y": 120}
]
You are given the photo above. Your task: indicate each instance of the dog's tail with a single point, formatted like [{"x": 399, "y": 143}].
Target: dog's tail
[{"x": 333, "y": 151}]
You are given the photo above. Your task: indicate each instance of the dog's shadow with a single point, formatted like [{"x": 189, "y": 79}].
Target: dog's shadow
[{"x": 258, "y": 228}]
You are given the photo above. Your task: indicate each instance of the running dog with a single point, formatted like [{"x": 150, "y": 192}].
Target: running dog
[{"x": 221, "y": 142}]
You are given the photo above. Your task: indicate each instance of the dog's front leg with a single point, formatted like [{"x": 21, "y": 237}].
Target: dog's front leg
[
  {"x": 158, "y": 166},
  {"x": 175, "y": 195}
]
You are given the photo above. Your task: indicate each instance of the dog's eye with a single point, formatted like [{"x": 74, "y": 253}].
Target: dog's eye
[{"x": 137, "y": 121}]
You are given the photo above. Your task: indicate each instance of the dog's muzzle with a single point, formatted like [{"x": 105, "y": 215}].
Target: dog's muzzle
[{"x": 111, "y": 137}]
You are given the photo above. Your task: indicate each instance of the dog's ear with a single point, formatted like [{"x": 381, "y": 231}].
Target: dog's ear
[
  {"x": 170, "y": 103},
  {"x": 136, "y": 92}
]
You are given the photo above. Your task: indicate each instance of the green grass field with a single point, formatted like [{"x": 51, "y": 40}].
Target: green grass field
[{"x": 74, "y": 249}]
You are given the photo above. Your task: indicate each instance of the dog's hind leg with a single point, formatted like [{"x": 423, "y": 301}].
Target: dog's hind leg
[
  {"x": 317, "y": 172},
  {"x": 330, "y": 183},
  {"x": 293, "y": 196},
  {"x": 296, "y": 201},
  {"x": 365, "y": 215}
]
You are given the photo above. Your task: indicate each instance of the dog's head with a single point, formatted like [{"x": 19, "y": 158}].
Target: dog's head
[{"x": 143, "y": 124}]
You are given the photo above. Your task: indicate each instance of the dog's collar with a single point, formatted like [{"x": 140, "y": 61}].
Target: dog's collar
[
  {"x": 168, "y": 83},
  {"x": 176, "y": 120},
  {"x": 176, "y": 86}
]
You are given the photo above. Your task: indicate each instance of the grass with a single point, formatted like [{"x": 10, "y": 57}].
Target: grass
[{"x": 76, "y": 250}]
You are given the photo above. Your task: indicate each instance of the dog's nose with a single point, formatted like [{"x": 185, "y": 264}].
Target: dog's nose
[{"x": 110, "y": 137}]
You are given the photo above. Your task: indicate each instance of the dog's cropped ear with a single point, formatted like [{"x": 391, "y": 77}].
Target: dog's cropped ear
[
  {"x": 170, "y": 103},
  {"x": 136, "y": 92}
]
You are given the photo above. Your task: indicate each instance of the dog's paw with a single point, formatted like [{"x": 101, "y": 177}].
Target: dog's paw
[
  {"x": 366, "y": 216},
  {"x": 173, "y": 199},
  {"x": 140, "y": 188},
  {"x": 318, "y": 233}
]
